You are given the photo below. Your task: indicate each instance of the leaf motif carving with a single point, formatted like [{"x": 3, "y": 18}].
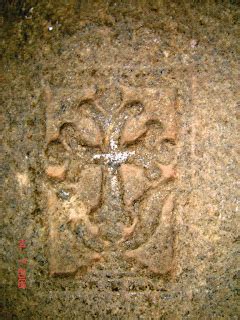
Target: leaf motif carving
[
  {"x": 90, "y": 186},
  {"x": 89, "y": 132},
  {"x": 133, "y": 129},
  {"x": 134, "y": 183}
]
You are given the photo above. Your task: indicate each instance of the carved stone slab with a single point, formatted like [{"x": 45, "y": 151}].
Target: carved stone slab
[{"x": 110, "y": 179}]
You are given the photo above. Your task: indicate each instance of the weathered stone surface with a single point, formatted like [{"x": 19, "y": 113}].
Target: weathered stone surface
[
  {"x": 56, "y": 172},
  {"x": 120, "y": 162}
]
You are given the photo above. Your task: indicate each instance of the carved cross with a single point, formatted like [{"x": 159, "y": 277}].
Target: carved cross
[{"x": 116, "y": 152}]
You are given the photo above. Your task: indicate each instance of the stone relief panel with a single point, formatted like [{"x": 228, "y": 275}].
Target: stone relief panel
[{"x": 110, "y": 180}]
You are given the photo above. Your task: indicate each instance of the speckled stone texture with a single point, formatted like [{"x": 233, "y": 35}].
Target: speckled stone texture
[{"x": 120, "y": 159}]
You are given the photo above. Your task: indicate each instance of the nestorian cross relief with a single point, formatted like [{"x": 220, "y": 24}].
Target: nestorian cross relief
[{"x": 110, "y": 180}]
